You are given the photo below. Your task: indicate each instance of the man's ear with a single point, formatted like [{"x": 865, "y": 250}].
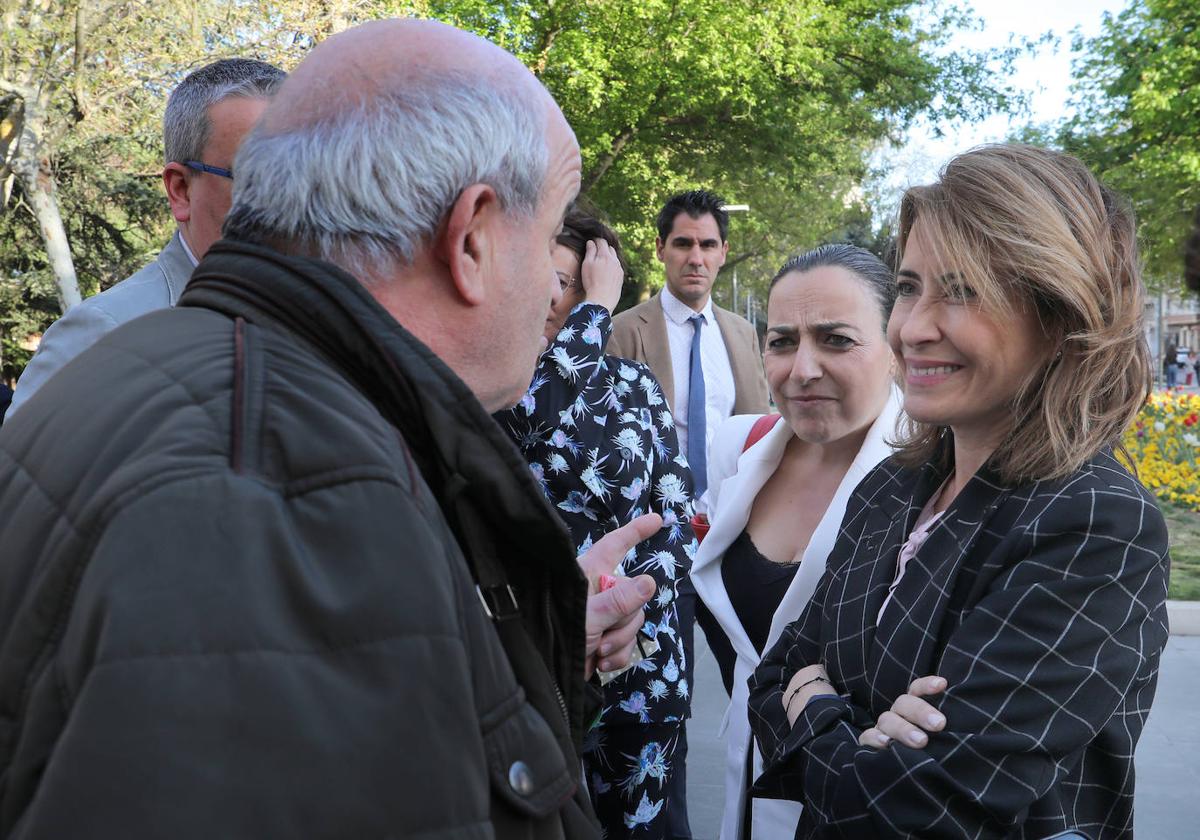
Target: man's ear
[
  {"x": 724, "y": 251},
  {"x": 658, "y": 248},
  {"x": 467, "y": 241},
  {"x": 175, "y": 179}
]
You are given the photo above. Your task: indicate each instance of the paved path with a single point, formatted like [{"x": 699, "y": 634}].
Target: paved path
[{"x": 1168, "y": 757}]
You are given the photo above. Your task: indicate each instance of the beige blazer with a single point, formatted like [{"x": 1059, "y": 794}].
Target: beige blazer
[{"x": 640, "y": 334}]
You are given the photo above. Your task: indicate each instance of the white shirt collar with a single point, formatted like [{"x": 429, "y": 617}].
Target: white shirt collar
[
  {"x": 187, "y": 250},
  {"x": 680, "y": 312}
]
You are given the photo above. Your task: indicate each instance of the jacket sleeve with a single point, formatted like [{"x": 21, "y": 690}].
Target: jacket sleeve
[
  {"x": 238, "y": 665},
  {"x": 1062, "y": 639},
  {"x": 760, "y": 402},
  {"x": 76, "y": 331},
  {"x": 798, "y": 646},
  {"x": 568, "y": 364},
  {"x": 623, "y": 342},
  {"x": 671, "y": 497}
]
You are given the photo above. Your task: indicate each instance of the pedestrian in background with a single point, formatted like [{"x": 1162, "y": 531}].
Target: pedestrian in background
[
  {"x": 708, "y": 361},
  {"x": 207, "y": 116}
]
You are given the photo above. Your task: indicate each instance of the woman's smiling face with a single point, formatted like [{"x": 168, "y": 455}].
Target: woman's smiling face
[{"x": 962, "y": 366}]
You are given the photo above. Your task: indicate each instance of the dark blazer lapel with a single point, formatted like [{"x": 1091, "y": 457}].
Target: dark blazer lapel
[
  {"x": 932, "y": 595},
  {"x": 861, "y": 580}
]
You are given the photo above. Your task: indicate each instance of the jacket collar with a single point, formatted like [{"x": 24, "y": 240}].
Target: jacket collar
[
  {"x": 176, "y": 265},
  {"x": 928, "y": 594},
  {"x": 457, "y": 445}
]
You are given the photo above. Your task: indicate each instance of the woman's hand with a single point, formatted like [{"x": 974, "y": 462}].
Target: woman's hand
[
  {"x": 806, "y": 684},
  {"x": 601, "y": 274},
  {"x": 909, "y": 718}
]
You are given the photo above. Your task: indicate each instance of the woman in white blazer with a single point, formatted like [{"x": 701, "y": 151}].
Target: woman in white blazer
[{"x": 774, "y": 506}]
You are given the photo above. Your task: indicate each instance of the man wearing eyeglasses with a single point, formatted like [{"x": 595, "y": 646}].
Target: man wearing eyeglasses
[{"x": 206, "y": 117}]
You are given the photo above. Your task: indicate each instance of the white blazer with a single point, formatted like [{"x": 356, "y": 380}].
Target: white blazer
[{"x": 734, "y": 479}]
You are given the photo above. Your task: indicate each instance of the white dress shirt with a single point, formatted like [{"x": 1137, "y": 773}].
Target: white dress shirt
[
  {"x": 188, "y": 251},
  {"x": 719, "y": 388}
]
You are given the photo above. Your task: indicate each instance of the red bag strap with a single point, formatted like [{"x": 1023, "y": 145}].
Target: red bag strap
[{"x": 760, "y": 428}]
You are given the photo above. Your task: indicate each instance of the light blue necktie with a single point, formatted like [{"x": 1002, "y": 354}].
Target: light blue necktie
[{"x": 696, "y": 410}]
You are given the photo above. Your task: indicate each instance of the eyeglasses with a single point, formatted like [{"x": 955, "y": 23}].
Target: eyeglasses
[{"x": 204, "y": 167}]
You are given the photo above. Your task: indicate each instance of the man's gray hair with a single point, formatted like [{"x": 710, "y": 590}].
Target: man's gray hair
[
  {"x": 186, "y": 126},
  {"x": 367, "y": 184}
]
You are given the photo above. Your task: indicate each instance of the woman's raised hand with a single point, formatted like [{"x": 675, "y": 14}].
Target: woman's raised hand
[
  {"x": 601, "y": 274},
  {"x": 909, "y": 718}
]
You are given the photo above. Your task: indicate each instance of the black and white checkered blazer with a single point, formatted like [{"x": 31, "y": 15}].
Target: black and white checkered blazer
[{"x": 1043, "y": 606}]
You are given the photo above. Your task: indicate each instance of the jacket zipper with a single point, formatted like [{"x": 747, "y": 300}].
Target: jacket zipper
[{"x": 562, "y": 703}]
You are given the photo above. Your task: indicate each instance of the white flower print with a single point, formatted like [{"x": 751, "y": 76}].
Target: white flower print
[
  {"x": 650, "y": 389},
  {"x": 568, "y": 366},
  {"x": 671, "y": 490}
]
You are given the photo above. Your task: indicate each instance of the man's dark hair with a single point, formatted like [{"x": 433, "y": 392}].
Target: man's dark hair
[
  {"x": 696, "y": 203},
  {"x": 581, "y": 226}
]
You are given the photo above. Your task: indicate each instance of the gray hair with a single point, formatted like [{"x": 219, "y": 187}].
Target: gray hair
[
  {"x": 858, "y": 261},
  {"x": 366, "y": 186},
  {"x": 186, "y": 127}
]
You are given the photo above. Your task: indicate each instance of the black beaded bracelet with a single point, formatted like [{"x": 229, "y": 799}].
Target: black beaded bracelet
[{"x": 787, "y": 707}]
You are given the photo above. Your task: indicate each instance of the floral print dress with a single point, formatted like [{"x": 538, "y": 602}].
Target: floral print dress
[{"x": 600, "y": 439}]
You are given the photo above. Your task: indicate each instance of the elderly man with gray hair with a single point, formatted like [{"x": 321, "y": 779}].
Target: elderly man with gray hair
[
  {"x": 206, "y": 117},
  {"x": 274, "y": 571}
]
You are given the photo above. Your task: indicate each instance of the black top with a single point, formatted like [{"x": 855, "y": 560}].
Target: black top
[{"x": 756, "y": 586}]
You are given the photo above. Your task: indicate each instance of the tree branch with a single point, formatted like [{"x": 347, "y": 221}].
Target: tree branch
[
  {"x": 78, "y": 106},
  {"x": 740, "y": 258},
  {"x": 610, "y": 157},
  {"x": 26, "y": 92},
  {"x": 548, "y": 39}
]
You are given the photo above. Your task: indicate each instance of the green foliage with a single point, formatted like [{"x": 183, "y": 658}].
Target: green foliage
[
  {"x": 1183, "y": 526},
  {"x": 774, "y": 103},
  {"x": 102, "y": 71},
  {"x": 1138, "y": 90}
]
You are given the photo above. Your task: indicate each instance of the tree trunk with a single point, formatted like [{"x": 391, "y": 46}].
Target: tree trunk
[{"x": 32, "y": 168}]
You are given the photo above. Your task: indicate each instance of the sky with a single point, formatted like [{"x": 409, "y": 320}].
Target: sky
[{"x": 1046, "y": 75}]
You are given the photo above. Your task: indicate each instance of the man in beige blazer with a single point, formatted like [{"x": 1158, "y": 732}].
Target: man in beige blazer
[
  {"x": 709, "y": 365},
  {"x": 692, "y": 246}
]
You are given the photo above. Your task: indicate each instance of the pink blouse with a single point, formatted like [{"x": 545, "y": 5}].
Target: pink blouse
[{"x": 920, "y": 532}]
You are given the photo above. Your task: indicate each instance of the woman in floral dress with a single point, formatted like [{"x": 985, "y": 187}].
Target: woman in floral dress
[{"x": 599, "y": 437}]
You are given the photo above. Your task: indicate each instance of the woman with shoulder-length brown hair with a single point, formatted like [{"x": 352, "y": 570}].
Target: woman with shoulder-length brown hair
[{"x": 981, "y": 654}]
